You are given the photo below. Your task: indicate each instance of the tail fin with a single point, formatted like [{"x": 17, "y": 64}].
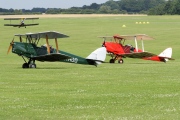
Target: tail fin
[
  {"x": 166, "y": 54},
  {"x": 97, "y": 56}
]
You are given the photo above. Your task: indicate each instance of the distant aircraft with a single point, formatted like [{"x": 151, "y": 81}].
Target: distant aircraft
[
  {"x": 27, "y": 47},
  {"x": 21, "y": 24},
  {"x": 117, "y": 50}
]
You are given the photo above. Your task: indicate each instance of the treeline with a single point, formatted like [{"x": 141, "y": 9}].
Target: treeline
[
  {"x": 170, "y": 7},
  {"x": 151, "y": 7}
]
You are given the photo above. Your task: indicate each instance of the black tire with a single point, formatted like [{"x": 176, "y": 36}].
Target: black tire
[
  {"x": 121, "y": 61},
  {"x": 111, "y": 61},
  {"x": 25, "y": 65},
  {"x": 32, "y": 65}
]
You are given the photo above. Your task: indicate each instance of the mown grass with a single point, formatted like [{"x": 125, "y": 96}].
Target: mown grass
[{"x": 137, "y": 89}]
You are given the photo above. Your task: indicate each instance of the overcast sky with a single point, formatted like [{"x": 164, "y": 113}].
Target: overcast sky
[{"x": 29, "y": 4}]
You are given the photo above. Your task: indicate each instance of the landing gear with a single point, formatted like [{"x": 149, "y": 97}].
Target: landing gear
[
  {"x": 33, "y": 65},
  {"x": 120, "y": 61},
  {"x": 119, "y": 58},
  {"x": 29, "y": 64},
  {"x": 25, "y": 65},
  {"x": 111, "y": 61}
]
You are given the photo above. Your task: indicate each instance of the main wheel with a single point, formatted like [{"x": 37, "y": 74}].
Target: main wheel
[
  {"x": 25, "y": 65},
  {"x": 111, "y": 61},
  {"x": 121, "y": 61},
  {"x": 32, "y": 65}
]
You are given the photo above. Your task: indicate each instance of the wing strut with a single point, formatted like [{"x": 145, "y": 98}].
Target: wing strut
[
  {"x": 136, "y": 43},
  {"x": 57, "y": 49},
  {"x": 20, "y": 39},
  {"x": 47, "y": 43},
  {"x": 142, "y": 45}
]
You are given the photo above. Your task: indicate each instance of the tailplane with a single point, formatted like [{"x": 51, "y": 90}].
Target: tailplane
[{"x": 97, "y": 56}]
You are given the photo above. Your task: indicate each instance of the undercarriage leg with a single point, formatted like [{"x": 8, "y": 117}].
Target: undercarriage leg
[
  {"x": 32, "y": 63},
  {"x": 29, "y": 64}
]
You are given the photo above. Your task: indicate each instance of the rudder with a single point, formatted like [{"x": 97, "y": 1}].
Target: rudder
[{"x": 97, "y": 56}]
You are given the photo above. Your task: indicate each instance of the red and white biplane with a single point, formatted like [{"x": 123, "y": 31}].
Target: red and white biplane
[{"x": 117, "y": 50}]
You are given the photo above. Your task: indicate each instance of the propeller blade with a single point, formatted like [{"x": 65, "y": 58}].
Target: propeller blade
[
  {"x": 103, "y": 44},
  {"x": 10, "y": 46}
]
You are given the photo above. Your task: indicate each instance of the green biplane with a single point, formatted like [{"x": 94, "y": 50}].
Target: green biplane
[{"x": 28, "y": 49}]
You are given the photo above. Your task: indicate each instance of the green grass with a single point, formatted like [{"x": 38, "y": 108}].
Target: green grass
[{"x": 136, "y": 90}]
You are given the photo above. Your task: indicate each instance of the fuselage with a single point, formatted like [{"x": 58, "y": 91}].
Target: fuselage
[
  {"x": 119, "y": 49},
  {"x": 30, "y": 50}
]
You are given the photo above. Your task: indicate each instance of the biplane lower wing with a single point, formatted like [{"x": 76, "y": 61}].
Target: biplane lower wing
[
  {"x": 17, "y": 25},
  {"x": 139, "y": 55},
  {"x": 52, "y": 57},
  {"x": 12, "y": 25},
  {"x": 31, "y": 24}
]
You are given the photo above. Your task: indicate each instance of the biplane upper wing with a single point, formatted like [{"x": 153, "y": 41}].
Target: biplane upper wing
[
  {"x": 31, "y": 18},
  {"x": 20, "y": 18},
  {"x": 129, "y": 37},
  {"x": 50, "y": 34},
  {"x": 105, "y": 37},
  {"x": 138, "y": 37},
  {"x": 139, "y": 55},
  {"x": 51, "y": 57}
]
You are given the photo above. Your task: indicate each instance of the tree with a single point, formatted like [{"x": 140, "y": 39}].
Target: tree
[
  {"x": 169, "y": 7},
  {"x": 105, "y": 9},
  {"x": 132, "y": 5},
  {"x": 41, "y": 10},
  {"x": 18, "y": 12},
  {"x": 177, "y": 7},
  {"x": 94, "y": 6},
  {"x": 158, "y": 10},
  {"x": 112, "y": 4}
]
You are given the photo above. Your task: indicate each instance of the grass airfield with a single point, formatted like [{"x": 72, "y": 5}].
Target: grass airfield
[{"x": 136, "y": 90}]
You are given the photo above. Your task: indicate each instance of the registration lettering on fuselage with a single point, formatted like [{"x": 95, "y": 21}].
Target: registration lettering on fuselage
[{"x": 73, "y": 60}]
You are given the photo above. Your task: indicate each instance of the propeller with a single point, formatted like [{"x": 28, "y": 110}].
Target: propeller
[
  {"x": 10, "y": 46},
  {"x": 103, "y": 44}
]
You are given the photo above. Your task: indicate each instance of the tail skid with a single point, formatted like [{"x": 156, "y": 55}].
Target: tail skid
[{"x": 97, "y": 56}]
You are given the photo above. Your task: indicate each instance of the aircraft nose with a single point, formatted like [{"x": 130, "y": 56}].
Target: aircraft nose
[{"x": 103, "y": 44}]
